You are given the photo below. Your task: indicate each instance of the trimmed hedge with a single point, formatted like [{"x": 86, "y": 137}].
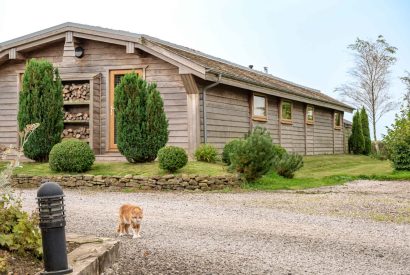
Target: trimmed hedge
[
  {"x": 172, "y": 158},
  {"x": 400, "y": 156},
  {"x": 71, "y": 156},
  {"x": 206, "y": 153}
]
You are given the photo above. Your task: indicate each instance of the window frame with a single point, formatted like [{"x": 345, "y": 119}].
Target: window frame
[
  {"x": 285, "y": 120},
  {"x": 257, "y": 117},
  {"x": 307, "y": 120},
  {"x": 337, "y": 127}
]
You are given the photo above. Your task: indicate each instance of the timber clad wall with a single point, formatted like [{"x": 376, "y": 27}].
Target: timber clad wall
[
  {"x": 228, "y": 117},
  {"x": 100, "y": 58},
  {"x": 272, "y": 125},
  {"x": 227, "y": 110}
]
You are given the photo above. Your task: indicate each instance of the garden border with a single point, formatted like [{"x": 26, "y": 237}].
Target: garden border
[{"x": 167, "y": 182}]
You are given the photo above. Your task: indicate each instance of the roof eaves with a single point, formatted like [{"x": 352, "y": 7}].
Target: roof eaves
[{"x": 257, "y": 83}]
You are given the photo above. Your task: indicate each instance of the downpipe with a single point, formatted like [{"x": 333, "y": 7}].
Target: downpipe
[{"x": 204, "y": 104}]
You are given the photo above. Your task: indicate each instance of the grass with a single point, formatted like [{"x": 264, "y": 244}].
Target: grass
[
  {"x": 125, "y": 168},
  {"x": 317, "y": 171},
  {"x": 330, "y": 170}
]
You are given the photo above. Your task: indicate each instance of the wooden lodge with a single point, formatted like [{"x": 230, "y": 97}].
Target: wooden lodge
[{"x": 207, "y": 99}]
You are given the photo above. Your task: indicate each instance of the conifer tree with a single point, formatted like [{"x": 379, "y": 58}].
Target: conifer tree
[
  {"x": 366, "y": 132},
  {"x": 157, "y": 123},
  {"x": 357, "y": 138},
  {"x": 142, "y": 127},
  {"x": 41, "y": 101}
]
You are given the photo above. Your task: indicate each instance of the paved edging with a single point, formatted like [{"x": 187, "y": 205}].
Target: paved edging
[
  {"x": 167, "y": 182},
  {"x": 94, "y": 254}
]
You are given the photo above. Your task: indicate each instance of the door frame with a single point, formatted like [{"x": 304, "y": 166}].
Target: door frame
[{"x": 111, "y": 146}]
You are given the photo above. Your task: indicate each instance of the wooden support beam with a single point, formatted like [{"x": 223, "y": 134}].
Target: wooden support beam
[
  {"x": 192, "y": 91},
  {"x": 15, "y": 55},
  {"x": 130, "y": 47}
]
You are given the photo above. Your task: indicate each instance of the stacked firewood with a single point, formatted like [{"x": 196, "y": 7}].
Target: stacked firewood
[
  {"x": 80, "y": 133},
  {"x": 76, "y": 92},
  {"x": 83, "y": 116}
]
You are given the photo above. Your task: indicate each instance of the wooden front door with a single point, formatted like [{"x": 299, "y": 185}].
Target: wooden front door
[{"x": 115, "y": 79}]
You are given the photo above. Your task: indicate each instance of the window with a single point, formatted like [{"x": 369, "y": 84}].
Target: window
[
  {"x": 310, "y": 119},
  {"x": 259, "y": 109},
  {"x": 286, "y": 112},
  {"x": 338, "y": 120}
]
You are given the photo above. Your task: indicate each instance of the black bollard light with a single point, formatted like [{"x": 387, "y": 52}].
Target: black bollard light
[{"x": 50, "y": 199}]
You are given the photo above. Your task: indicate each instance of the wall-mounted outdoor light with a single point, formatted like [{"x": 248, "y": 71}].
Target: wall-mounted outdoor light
[{"x": 79, "y": 52}]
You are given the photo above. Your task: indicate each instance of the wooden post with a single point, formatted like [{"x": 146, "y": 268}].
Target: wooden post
[{"x": 193, "y": 109}]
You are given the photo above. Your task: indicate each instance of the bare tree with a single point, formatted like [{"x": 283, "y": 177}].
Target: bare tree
[
  {"x": 406, "y": 81},
  {"x": 370, "y": 82}
]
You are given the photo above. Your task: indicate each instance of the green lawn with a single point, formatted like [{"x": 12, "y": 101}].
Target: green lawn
[
  {"x": 125, "y": 168},
  {"x": 317, "y": 171},
  {"x": 331, "y": 170}
]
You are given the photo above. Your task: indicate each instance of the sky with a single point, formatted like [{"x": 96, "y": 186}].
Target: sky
[{"x": 301, "y": 41}]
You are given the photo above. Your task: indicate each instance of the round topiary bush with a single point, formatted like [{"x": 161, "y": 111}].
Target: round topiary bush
[
  {"x": 71, "y": 156},
  {"x": 206, "y": 152},
  {"x": 229, "y": 148},
  {"x": 172, "y": 158}
]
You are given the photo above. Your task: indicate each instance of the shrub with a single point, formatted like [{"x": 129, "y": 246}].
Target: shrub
[
  {"x": 172, "y": 158},
  {"x": 288, "y": 164},
  {"x": 142, "y": 127},
  {"x": 400, "y": 156},
  {"x": 356, "y": 139},
  {"x": 367, "y": 146},
  {"x": 382, "y": 154},
  {"x": 71, "y": 156},
  {"x": 229, "y": 148},
  {"x": 41, "y": 101},
  {"x": 19, "y": 231},
  {"x": 206, "y": 153},
  {"x": 254, "y": 155}
]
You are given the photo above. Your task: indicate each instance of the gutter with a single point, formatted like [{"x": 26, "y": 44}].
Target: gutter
[{"x": 204, "y": 89}]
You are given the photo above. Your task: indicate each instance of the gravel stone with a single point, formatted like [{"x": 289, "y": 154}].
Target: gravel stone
[{"x": 331, "y": 230}]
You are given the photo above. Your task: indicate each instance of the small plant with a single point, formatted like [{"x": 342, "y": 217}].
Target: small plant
[
  {"x": 18, "y": 230},
  {"x": 288, "y": 164},
  {"x": 228, "y": 150},
  {"x": 172, "y": 158},
  {"x": 206, "y": 153},
  {"x": 71, "y": 156},
  {"x": 254, "y": 155}
]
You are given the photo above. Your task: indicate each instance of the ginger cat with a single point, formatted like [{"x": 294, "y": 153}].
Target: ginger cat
[{"x": 130, "y": 216}]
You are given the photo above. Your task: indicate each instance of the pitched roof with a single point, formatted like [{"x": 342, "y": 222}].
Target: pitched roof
[
  {"x": 218, "y": 65},
  {"x": 210, "y": 64}
]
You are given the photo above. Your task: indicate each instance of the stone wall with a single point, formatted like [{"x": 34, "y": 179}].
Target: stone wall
[{"x": 167, "y": 182}]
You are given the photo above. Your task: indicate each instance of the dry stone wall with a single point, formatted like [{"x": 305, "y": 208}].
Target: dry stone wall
[{"x": 167, "y": 182}]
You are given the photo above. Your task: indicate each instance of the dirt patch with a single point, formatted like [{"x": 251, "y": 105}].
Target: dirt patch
[{"x": 19, "y": 264}]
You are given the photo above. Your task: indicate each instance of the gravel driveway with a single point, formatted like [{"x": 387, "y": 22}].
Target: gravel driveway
[{"x": 359, "y": 228}]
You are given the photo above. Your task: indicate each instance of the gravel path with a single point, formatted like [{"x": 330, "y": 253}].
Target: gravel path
[{"x": 359, "y": 228}]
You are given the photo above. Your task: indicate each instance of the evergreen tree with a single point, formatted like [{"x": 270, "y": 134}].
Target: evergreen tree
[
  {"x": 357, "y": 138},
  {"x": 142, "y": 127},
  {"x": 157, "y": 123},
  {"x": 41, "y": 101},
  {"x": 366, "y": 132}
]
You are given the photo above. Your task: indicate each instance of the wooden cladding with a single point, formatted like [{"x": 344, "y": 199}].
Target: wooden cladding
[
  {"x": 115, "y": 79},
  {"x": 259, "y": 107}
]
